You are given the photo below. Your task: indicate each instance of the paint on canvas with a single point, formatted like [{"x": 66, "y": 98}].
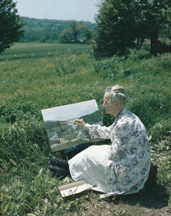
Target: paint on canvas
[{"x": 62, "y": 132}]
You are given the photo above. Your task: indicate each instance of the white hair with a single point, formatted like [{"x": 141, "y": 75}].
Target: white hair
[{"x": 117, "y": 93}]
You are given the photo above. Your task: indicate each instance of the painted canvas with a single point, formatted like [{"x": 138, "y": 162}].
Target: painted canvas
[{"x": 62, "y": 132}]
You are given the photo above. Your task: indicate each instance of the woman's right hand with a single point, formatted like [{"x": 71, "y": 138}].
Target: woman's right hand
[{"x": 80, "y": 123}]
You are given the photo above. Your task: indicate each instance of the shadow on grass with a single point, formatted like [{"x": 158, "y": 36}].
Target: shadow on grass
[{"x": 154, "y": 197}]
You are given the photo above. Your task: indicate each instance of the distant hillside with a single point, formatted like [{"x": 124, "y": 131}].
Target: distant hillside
[{"x": 47, "y": 29}]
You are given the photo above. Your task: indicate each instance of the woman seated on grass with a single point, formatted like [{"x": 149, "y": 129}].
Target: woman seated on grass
[{"x": 120, "y": 168}]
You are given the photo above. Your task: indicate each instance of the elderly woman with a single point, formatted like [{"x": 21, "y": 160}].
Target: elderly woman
[{"x": 120, "y": 168}]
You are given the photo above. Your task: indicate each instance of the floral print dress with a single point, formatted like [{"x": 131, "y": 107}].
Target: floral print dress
[{"x": 120, "y": 168}]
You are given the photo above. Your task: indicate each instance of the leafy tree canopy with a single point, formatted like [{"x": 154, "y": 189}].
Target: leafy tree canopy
[
  {"x": 167, "y": 27},
  {"x": 73, "y": 32},
  {"x": 10, "y": 24},
  {"x": 66, "y": 36},
  {"x": 122, "y": 22}
]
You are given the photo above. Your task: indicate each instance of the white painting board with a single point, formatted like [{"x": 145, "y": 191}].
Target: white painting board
[{"x": 62, "y": 132}]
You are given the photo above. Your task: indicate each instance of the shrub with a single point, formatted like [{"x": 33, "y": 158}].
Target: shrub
[{"x": 139, "y": 54}]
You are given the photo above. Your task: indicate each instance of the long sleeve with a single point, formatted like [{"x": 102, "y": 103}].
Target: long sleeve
[{"x": 97, "y": 131}]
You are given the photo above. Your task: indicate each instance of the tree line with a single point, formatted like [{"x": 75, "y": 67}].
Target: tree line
[
  {"x": 56, "y": 30},
  {"x": 120, "y": 24}
]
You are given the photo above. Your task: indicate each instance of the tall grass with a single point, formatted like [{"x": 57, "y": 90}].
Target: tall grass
[
  {"x": 148, "y": 82},
  {"x": 29, "y": 85}
]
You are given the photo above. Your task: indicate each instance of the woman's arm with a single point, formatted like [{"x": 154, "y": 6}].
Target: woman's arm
[{"x": 96, "y": 131}]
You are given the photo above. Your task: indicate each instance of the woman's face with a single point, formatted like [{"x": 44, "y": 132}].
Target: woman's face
[
  {"x": 111, "y": 108},
  {"x": 107, "y": 104}
]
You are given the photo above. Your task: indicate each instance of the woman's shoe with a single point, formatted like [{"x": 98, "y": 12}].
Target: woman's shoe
[
  {"x": 60, "y": 172},
  {"x": 58, "y": 162}
]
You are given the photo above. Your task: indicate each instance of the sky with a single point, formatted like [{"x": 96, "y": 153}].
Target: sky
[
  {"x": 80, "y": 10},
  {"x": 70, "y": 111}
]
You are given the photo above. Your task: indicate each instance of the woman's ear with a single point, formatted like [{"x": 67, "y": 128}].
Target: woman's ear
[{"x": 117, "y": 104}]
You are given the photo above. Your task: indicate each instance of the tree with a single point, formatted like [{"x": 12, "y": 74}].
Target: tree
[
  {"x": 88, "y": 34},
  {"x": 122, "y": 22},
  {"x": 155, "y": 17},
  {"x": 10, "y": 24},
  {"x": 72, "y": 33},
  {"x": 167, "y": 27},
  {"x": 142, "y": 27},
  {"x": 42, "y": 39},
  {"x": 115, "y": 28},
  {"x": 76, "y": 29},
  {"x": 66, "y": 36}
]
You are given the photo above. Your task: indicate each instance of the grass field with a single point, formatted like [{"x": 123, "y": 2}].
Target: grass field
[
  {"x": 24, "y": 50},
  {"x": 30, "y": 84}
]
